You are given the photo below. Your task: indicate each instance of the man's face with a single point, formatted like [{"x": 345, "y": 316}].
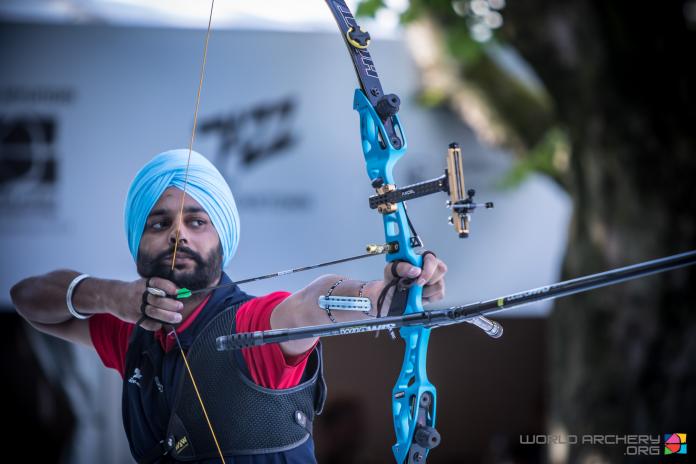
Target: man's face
[{"x": 198, "y": 262}]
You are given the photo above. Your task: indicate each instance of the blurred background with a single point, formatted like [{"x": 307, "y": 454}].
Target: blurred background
[{"x": 575, "y": 117}]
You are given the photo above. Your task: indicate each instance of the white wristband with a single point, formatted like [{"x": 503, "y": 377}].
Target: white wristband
[{"x": 69, "y": 294}]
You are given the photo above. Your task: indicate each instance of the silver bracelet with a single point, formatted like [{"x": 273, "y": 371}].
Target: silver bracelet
[
  {"x": 360, "y": 295},
  {"x": 69, "y": 295},
  {"x": 328, "y": 295},
  {"x": 362, "y": 288}
]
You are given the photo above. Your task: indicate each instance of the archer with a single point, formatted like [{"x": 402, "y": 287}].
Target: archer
[{"x": 193, "y": 403}]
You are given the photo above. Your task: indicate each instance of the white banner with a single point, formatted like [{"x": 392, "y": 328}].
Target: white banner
[{"x": 83, "y": 108}]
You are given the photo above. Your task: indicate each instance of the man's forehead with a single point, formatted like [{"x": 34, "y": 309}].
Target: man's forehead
[{"x": 171, "y": 200}]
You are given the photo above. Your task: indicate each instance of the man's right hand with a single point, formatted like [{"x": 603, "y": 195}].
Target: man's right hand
[{"x": 167, "y": 309}]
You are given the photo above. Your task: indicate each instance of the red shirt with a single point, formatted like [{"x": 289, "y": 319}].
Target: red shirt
[{"x": 267, "y": 364}]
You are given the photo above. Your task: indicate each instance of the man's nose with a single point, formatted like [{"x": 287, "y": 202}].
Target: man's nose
[{"x": 180, "y": 231}]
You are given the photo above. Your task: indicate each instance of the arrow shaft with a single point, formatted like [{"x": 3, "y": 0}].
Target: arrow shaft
[{"x": 187, "y": 293}]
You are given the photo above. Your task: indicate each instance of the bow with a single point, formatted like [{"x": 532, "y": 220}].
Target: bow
[{"x": 383, "y": 143}]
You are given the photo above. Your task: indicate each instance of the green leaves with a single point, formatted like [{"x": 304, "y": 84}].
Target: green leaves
[
  {"x": 462, "y": 47},
  {"x": 551, "y": 156},
  {"x": 369, "y": 8}
]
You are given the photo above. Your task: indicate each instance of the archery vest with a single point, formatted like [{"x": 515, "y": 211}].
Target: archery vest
[{"x": 163, "y": 419}]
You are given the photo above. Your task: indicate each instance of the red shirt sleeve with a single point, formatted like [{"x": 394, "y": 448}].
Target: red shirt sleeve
[
  {"x": 110, "y": 338},
  {"x": 267, "y": 364}
]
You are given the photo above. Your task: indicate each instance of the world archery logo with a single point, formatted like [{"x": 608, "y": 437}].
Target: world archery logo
[{"x": 675, "y": 443}]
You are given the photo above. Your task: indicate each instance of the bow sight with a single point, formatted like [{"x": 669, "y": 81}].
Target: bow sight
[{"x": 461, "y": 201}]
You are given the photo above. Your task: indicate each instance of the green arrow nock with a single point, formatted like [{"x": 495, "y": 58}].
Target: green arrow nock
[{"x": 183, "y": 293}]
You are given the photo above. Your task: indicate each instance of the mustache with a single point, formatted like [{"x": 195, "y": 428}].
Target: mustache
[{"x": 180, "y": 251}]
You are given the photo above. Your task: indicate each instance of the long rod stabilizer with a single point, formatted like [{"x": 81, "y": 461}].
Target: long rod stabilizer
[{"x": 463, "y": 313}]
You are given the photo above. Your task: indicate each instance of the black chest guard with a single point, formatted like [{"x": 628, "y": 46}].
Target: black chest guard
[{"x": 162, "y": 414}]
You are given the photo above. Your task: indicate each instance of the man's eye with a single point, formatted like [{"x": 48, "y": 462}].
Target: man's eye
[
  {"x": 197, "y": 222},
  {"x": 158, "y": 225}
]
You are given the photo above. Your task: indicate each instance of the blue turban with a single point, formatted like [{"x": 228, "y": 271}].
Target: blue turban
[{"x": 205, "y": 185}]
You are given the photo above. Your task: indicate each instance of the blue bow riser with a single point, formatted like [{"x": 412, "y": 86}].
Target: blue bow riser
[{"x": 413, "y": 382}]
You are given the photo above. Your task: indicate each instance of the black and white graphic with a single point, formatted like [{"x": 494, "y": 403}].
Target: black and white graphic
[
  {"x": 28, "y": 166},
  {"x": 248, "y": 139},
  {"x": 251, "y": 136}
]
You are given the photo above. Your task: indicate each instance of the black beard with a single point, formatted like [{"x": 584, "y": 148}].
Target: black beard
[{"x": 205, "y": 273}]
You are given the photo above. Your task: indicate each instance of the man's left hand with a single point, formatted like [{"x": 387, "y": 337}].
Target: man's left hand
[{"x": 431, "y": 277}]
